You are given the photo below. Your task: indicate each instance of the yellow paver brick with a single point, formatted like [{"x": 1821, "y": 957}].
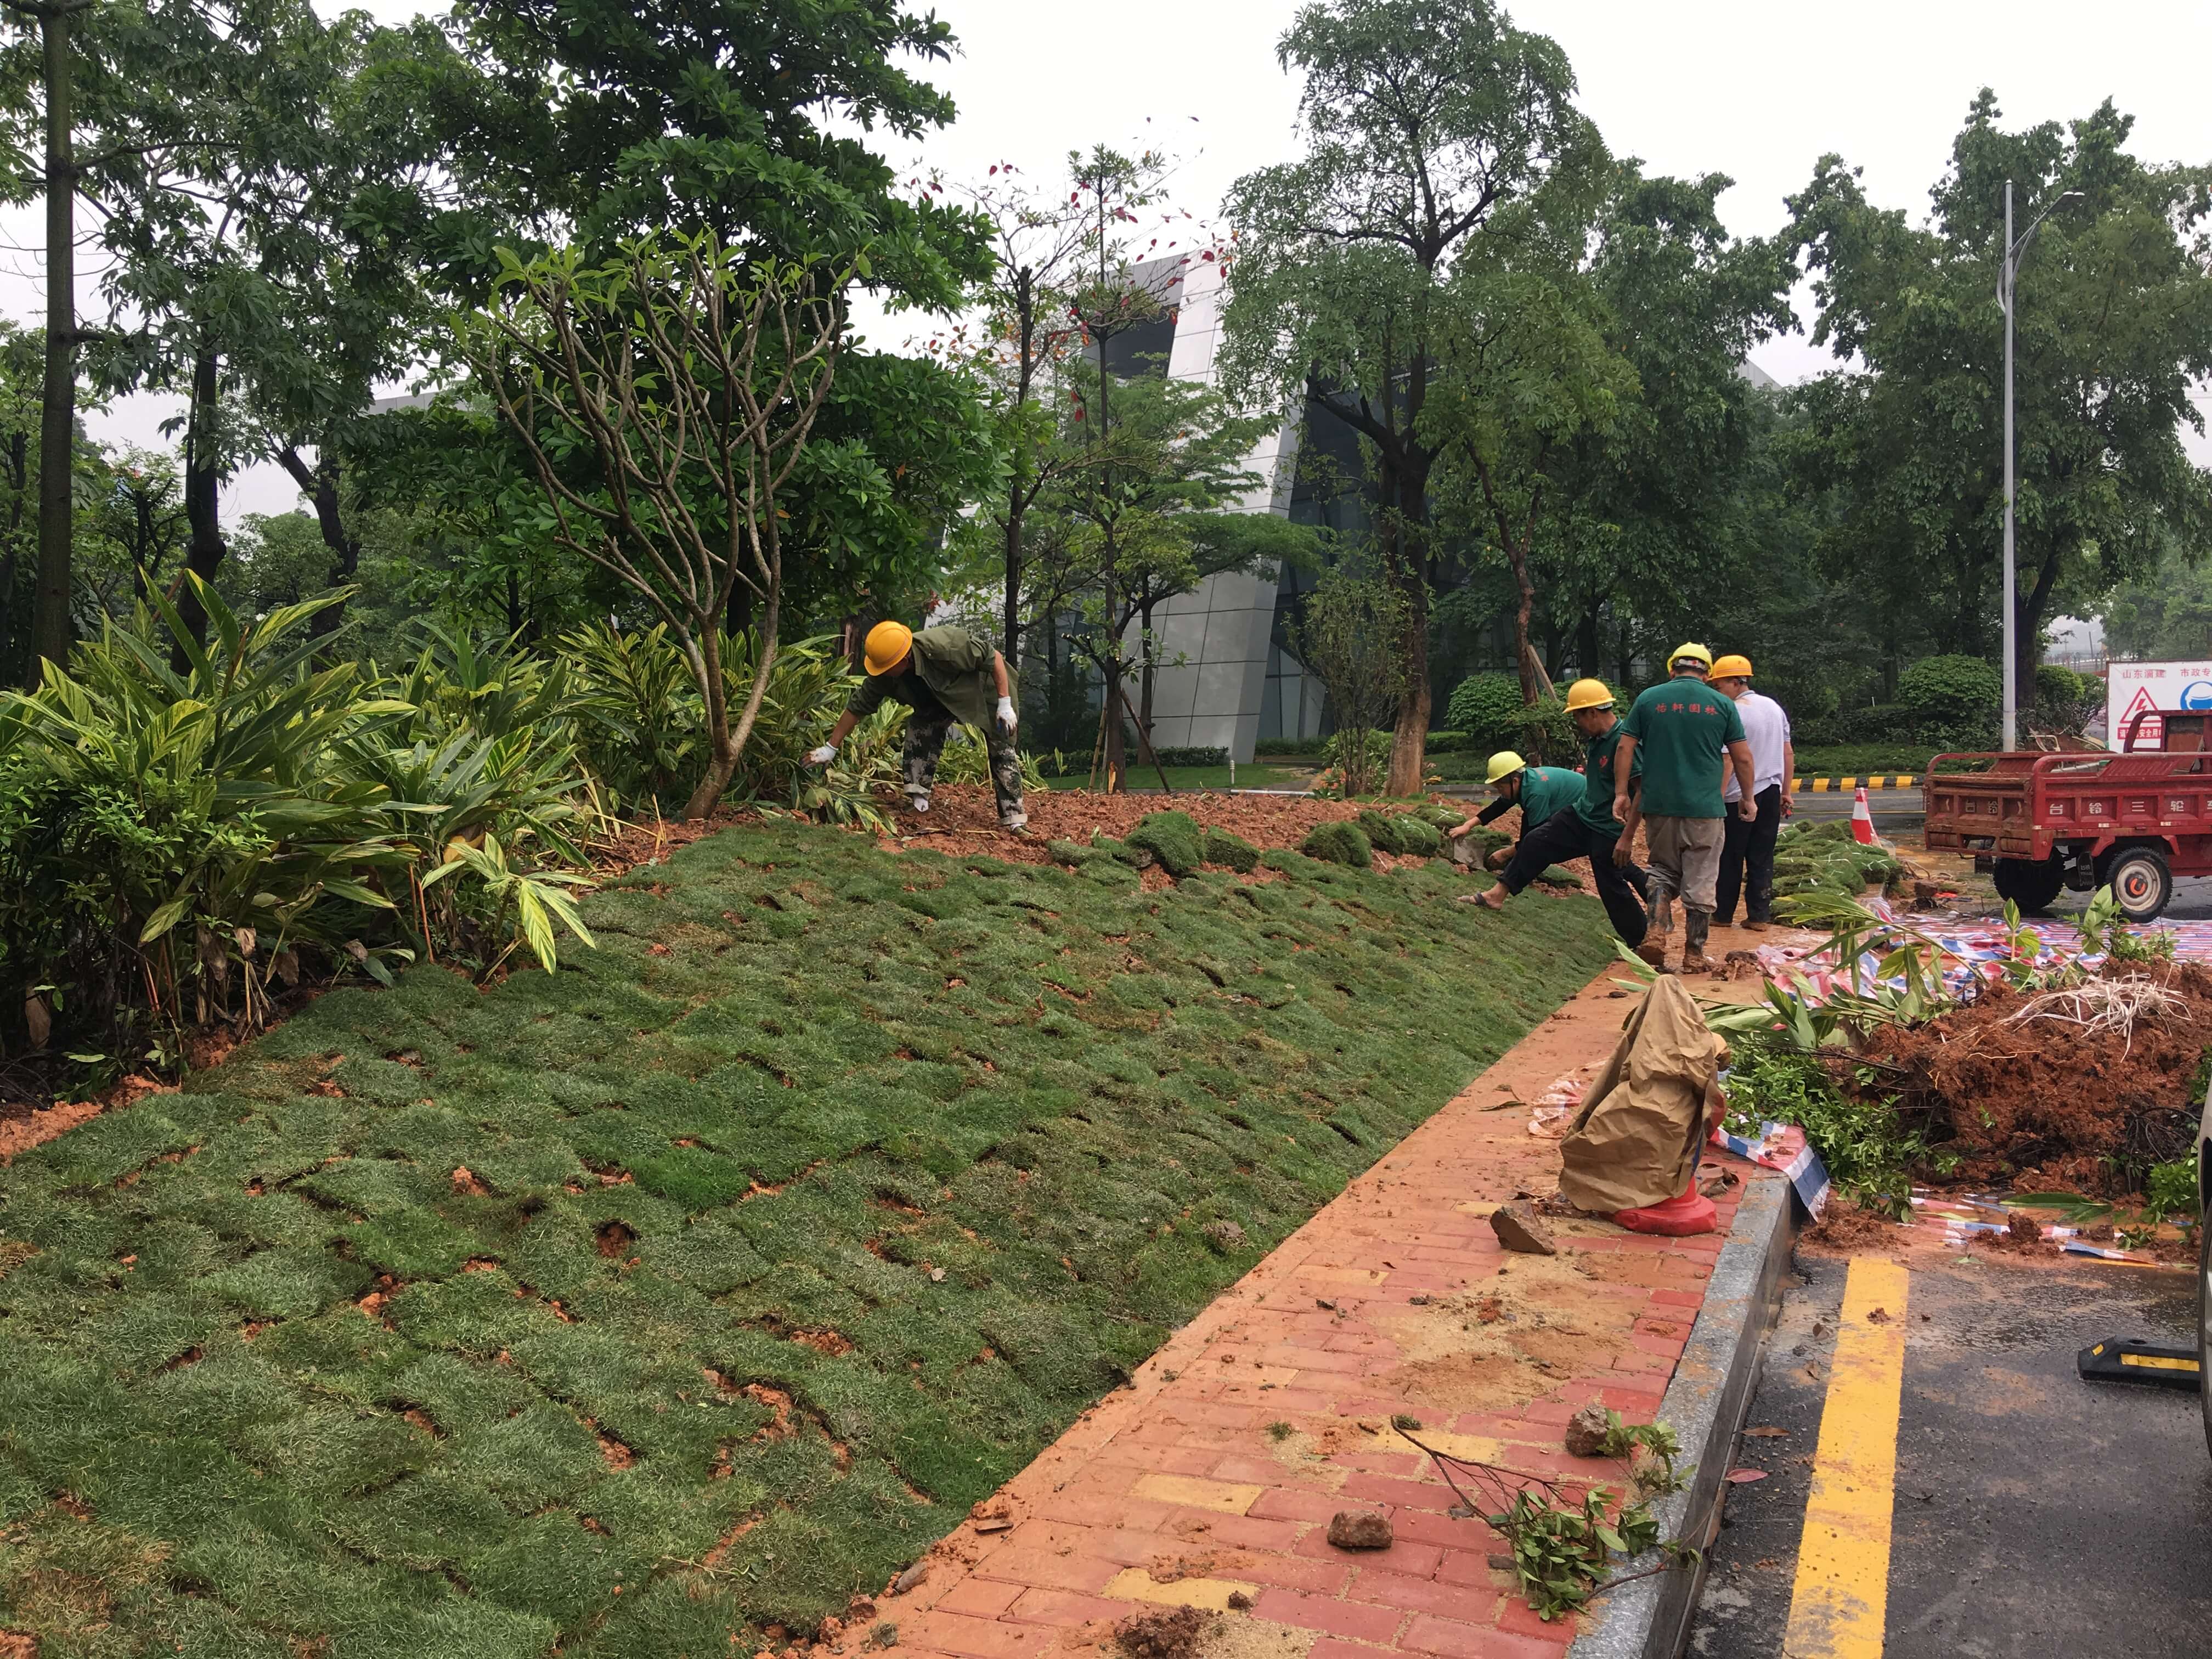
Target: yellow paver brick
[
  {"x": 1135, "y": 1584},
  {"x": 1194, "y": 1491}
]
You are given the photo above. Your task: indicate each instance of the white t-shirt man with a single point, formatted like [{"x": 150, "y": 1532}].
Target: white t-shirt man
[{"x": 1766, "y": 724}]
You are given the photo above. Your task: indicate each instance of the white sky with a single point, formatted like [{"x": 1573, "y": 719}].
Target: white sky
[{"x": 1758, "y": 91}]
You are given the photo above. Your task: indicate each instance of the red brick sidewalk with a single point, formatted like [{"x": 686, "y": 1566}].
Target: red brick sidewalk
[{"x": 1217, "y": 1472}]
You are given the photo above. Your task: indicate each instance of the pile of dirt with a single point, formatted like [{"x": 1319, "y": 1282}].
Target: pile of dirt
[{"x": 2026, "y": 1091}]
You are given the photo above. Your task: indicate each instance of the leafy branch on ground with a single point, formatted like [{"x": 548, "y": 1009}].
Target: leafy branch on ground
[{"x": 1563, "y": 1544}]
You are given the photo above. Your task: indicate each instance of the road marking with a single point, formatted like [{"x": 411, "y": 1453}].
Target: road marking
[{"x": 1840, "y": 1603}]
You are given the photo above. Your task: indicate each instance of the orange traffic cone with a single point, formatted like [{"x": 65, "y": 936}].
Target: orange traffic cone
[{"x": 1861, "y": 819}]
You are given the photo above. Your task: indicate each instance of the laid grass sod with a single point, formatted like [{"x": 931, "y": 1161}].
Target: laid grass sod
[{"x": 705, "y": 1283}]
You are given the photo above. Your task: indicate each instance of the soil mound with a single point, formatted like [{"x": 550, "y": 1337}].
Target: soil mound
[{"x": 2074, "y": 1084}]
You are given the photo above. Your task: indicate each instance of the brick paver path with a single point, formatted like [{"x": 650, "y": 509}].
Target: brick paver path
[{"x": 1216, "y": 1472}]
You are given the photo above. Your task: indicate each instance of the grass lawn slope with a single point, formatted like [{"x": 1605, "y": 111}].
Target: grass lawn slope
[{"x": 707, "y": 1282}]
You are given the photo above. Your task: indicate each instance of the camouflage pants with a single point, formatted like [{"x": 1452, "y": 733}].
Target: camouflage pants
[{"x": 925, "y": 741}]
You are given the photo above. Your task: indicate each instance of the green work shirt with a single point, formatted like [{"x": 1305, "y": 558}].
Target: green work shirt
[
  {"x": 1595, "y": 809},
  {"x": 951, "y": 666},
  {"x": 1545, "y": 790},
  {"x": 1682, "y": 730}
]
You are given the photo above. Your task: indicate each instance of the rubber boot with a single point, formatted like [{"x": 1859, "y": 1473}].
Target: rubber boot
[
  {"x": 1654, "y": 948},
  {"x": 1695, "y": 926}
]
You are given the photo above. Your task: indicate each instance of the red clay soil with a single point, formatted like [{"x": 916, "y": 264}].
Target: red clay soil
[{"x": 2040, "y": 1101}]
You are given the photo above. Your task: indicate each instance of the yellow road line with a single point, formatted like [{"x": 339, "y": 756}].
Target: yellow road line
[{"x": 1840, "y": 1603}]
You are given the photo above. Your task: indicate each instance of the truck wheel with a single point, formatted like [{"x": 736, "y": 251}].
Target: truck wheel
[
  {"x": 2140, "y": 882},
  {"x": 2031, "y": 884}
]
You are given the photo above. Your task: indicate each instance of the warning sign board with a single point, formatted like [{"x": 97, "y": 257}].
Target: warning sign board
[{"x": 2148, "y": 689}]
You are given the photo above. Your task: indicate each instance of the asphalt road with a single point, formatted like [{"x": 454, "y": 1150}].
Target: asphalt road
[{"x": 2030, "y": 1513}]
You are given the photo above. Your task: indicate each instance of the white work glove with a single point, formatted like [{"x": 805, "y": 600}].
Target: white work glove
[
  {"x": 1006, "y": 715},
  {"x": 823, "y": 755}
]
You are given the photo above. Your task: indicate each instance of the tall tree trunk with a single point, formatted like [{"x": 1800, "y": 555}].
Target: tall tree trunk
[
  {"x": 18, "y": 453},
  {"x": 1408, "y": 573},
  {"x": 1144, "y": 687},
  {"x": 319, "y": 485},
  {"x": 1010, "y": 625},
  {"x": 49, "y": 615},
  {"x": 2028, "y": 638},
  {"x": 205, "y": 550},
  {"x": 1586, "y": 648}
]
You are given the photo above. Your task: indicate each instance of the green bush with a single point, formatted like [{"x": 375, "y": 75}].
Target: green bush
[
  {"x": 1286, "y": 746},
  {"x": 1488, "y": 710},
  {"x": 1173, "y": 839},
  {"x": 1339, "y": 842},
  {"x": 1198, "y": 756},
  {"x": 177, "y": 846},
  {"x": 1232, "y": 851},
  {"x": 1485, "y": 706},
  {"x": 1868, "y": 1152},
  {"x": 1953, "y": 691},
  {"x": 1449, "y": 743},
  {"x": 1378, "y": 749}
]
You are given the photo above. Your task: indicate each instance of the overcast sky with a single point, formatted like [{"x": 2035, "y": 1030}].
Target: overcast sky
[{"x": 1758, "y": 91}]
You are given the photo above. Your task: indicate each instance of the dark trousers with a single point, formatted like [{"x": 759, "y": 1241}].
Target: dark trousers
[
  {"x": 1563, "y": 836},
  {"x": 1747, "y": 861}
]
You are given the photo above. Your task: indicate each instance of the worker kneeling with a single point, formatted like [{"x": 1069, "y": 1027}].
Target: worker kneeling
[
  {"x": 943, "y": 675},
  {"x": 1565, "y": 815}
]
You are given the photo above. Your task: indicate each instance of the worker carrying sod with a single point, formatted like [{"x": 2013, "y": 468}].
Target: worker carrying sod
[
  {"x": 943, "y": 675},
  {"x": 1675, "y": 737},
  {"x": 1589, "y": 826},
  {"x": 1539, "y": 791}
]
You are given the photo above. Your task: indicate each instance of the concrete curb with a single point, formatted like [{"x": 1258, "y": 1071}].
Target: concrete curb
[{"x": 1705, "y": 1404}]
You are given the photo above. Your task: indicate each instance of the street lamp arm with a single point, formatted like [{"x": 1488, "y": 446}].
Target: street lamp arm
[{"x": 2009, "y": 277}]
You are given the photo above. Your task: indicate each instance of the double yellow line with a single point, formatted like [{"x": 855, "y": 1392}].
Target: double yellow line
[{"x": 1840, "y": 1605}]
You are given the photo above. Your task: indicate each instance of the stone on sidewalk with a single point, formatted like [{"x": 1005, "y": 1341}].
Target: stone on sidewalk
[
  {"x": 1518, "y": 1229},
  {"x": 1586, "y": 1431},
  {"x": 1359, "y": 1529}
]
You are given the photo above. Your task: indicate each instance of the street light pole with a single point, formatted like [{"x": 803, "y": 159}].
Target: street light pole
[
  {"x": 2010, "y": 590},
  {"x": 2007, "y": 284}
]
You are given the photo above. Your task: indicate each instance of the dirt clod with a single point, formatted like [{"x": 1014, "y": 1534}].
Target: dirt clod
[
  {"x": 1239, "y": 1602},
  {"x": 1518, "y": 1229},
  {"x": 1586, "y": 1433},
  {"x": 1359, "y": 1529},
  {"x": 907, "y": 1580},
  {"x": 1163, "y": 1633}
]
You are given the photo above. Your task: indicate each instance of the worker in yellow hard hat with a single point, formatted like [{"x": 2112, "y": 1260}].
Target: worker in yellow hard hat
[
  {"x": 1538, "y": 791},
  {"x": 1581, "y": 824},
  {"x": 943, "y": 674},
  {"x": 1747, "y": 849},
  {"x": 1676, "y": 737}
]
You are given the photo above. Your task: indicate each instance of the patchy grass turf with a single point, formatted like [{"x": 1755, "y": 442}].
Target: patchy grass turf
[{"x": 701, "y": 1285}]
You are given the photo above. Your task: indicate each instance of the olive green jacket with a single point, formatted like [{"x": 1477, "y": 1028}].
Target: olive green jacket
[{"x": 953, "y": 664}]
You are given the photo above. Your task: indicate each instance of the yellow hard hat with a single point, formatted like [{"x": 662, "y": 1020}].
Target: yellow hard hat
[
  {"x": 1732, "y": 667},
  {"x": 1504, "y": 764},
  {"x": 1691, "y": 651},
  {"x": 1587, "y": 694},
  {"x": 888, "y": 642}
]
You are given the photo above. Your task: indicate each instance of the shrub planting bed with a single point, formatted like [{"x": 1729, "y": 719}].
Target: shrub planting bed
[{"x": 691, "y": 1291}]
